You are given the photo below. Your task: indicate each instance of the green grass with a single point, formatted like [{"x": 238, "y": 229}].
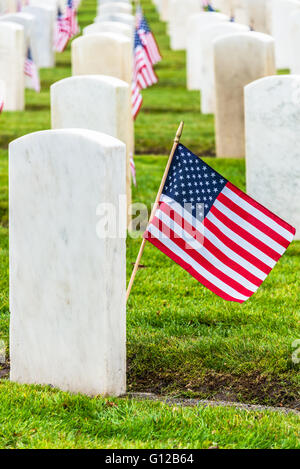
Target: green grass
[
  {"x": 182, "y": 339},
  {"x": 40, "y": 417}
]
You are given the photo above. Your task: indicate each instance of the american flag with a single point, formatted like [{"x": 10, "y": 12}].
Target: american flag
[
  {"x": 207, "y": 4},
  {"x": 1, "y": 104},
  {"x": 31, "y": 71},
  {"x": 136, "y": 98},
  {"x": 132, "y": 169},
  {"x": 62, "y": 32},
  {"x": 71, "y": 17},
  {"x": 148, "y": 40},
  {"x": 143, "y": 73},
  {"x": 220, "y": 235}
]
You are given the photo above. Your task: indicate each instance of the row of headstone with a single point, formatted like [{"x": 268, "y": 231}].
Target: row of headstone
[
  {"x": 35, "y": 32},
  {"x": 278, "y": 18},
  {"x": 66, "y": 176},
  {"x": 257, "y": 114}
]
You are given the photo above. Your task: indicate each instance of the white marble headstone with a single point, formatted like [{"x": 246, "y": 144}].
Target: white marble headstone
[
  {"x": 207, "y": 36},
  {"x": 102, "y": 103},
  {"x": 179, "y": 12},
  {"x": 103, "y": 54},
  {"x": 109, "y": 27},
  {"x": 12, "y": 42},
  {"x": 272, "y": 120},
  {"x": 239, "y": 60},
  {"x": 294, "y": 33},
  {"x": 114, "y": 7},
  {"x": 28, "y": 22},
  {"x": 120, "y": 17},
  {"x": 195, "y": 25},
  {"x": 43, "y": 33},
  {"x": 67, "y": 285},
  {"x": 281, "y": 12}
]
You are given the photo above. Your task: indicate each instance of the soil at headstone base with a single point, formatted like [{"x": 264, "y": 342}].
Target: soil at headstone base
[{"x": 251, "y": 388}]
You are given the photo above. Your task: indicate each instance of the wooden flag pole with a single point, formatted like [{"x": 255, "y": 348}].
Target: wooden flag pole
[{"x": 162, "y": 184}]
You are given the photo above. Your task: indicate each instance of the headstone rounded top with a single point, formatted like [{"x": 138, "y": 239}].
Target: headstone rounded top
[
  {"x": 123, "y": 17},
  {"x": 103, "y": 35},
  {"x": 273, "y": 82},
  {"x": 251, "y": 36},
  {"x": 101, "y": 79},
  {"x": 15, "y": 16},
  {"x": 115, "y": 7},
  {"x": 37, "y": 7},
  {"x": 224, "y": 27},
  {"x": 109, "y": 26},
  {"x": 11, "y": 25},
  {"x": 84, "y": 134},
  {"x": 209, "y": 16}
]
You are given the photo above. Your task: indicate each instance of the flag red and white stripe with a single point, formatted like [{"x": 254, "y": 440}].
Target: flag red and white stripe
[
  {"x": 62, "y": 33},
  {"x": 71, "y": 18},
  {"x": 132, "y": 169},
  {"x": 137, "y": 99},
  {"x": 232, "y": 249},
  {"x": 143, "y": 73},
  {"x": 148, "y": 40}
]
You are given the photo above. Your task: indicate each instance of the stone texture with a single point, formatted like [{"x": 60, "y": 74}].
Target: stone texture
[
  {"x": 281, "y": 12},
  {"x": 102, "y": 103},
  {"x": 43, "y": 33},
  {"x": 272, "y": 119},
  {"x": 195, "y": 25},
  {"x": 102, "y": 2},
  {"x": 109, "y": 27},
  {"x": 8, "y": 6},
  {"x": 67, "y": 292},
  {"x": 115, "y": 7},
  {"x": 179, "y": 13},
  {"x": 12, "y": 65},
  {"x": 206, "y": 50},
  {"x": 103, "y": 54},
  {"x": 239, "y": 60},
  {"x": 164, "y": 10},
  {"x": 295, "y": 41},
  {"x": 28, "y": 22},
  {"x": 258, "y": 12},
  {"x": 120, "y": 17}
]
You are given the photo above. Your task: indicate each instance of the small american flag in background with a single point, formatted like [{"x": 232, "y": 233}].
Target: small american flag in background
[
  {"x": 207, "y": 4},
  {"x": 1, "y": 104},
  {"x": 143, "y": 72},
  {"x": 132, "y": 169},
  {"x": 137, "y": 99},
  {"x": 62, "y": 32},
  {"x": 31, "y": 71},
  {"x": 71, "y": 17},
  {"x": 220, "y": 235},
  {"x": 148, "y": 41}
]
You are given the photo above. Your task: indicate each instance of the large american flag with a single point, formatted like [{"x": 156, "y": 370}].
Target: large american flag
[
  {"x": 31, "y": 71},
  {"x": 148, "y": 40},
  {"x": 143, "y": 73},
  {"x": 220, "y": 235}
]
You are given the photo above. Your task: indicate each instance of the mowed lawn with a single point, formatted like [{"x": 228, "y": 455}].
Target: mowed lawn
[{"x": 182, "y": 339}]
